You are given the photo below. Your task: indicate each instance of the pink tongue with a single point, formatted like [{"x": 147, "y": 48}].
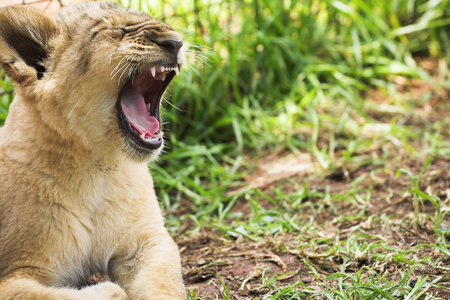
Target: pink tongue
[{"x": 134, "y": 108}]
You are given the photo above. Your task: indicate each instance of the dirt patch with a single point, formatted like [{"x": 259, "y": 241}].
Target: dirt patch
[
  {"x": 372, "y": 199},
  {"x": 244, "y": 267},
  {"x": 240, "y": 265}
]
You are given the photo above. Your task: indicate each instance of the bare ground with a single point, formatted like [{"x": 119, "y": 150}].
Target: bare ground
[{"x": 242, "y": 264}]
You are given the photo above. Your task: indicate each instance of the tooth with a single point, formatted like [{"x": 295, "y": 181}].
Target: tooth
[
  {"x": 142, "y": 136},
  {"x": 153, "y": 70},
  {"x": 177, "y": 71},
  {"x": 162, "y": 69},
  {"x": 163, "y": 76}
]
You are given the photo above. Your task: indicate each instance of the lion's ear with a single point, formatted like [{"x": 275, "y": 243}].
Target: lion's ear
[{"x": 25, "y": 33}]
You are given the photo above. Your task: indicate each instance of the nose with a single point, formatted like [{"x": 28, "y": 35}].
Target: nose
[{"x": 171, "y": 46}]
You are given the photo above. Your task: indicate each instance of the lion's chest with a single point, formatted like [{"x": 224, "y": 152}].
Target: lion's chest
[{"x": 94, "y": 223}]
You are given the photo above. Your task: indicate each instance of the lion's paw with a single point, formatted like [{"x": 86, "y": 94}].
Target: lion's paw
[{"x": 105, "y": 291}]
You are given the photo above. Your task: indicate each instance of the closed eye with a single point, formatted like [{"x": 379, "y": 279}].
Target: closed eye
[{"x": 115, "y": 34}]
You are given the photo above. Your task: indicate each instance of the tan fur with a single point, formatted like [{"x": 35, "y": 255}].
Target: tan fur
[{"x": 76, "y": 196}]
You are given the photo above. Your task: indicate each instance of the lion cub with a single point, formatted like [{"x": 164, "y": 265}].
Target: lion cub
[{"x": 76, "y": 196}]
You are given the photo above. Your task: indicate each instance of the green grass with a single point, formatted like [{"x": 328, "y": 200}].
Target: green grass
[
  {"x": 6, "y": 95},
  {"x": 299, "y": 77}
]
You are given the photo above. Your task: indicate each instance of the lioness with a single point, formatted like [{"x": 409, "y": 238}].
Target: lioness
[{"x": 76, "y": 196}]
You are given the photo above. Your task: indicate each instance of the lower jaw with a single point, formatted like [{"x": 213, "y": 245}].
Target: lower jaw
[
  {"x": 137, "y": 153},
  {"x": 153, "y": 143},
  {"x": 150, "y": 144}
]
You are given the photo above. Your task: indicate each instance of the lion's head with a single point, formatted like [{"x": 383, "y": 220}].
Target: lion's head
[{"x": 96, "y": 73}]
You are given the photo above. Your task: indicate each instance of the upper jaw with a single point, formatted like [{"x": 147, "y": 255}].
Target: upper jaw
[
  {"x": 156, "y": 72},
  {"x": 160, "y": 72}
]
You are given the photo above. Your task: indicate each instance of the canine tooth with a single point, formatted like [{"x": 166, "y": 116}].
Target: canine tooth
[
  {"x": 148, "y": 106},
  {"x": 142, "y": 136},
  {"x": 177, "y": 71},
  {"x": 153, "y": 70},
  {"x": 163, "y": 76}
]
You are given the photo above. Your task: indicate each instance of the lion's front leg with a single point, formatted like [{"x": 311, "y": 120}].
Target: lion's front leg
[
  {"x": 149, "y": 267},
  {"x": 23, "y": 285}
]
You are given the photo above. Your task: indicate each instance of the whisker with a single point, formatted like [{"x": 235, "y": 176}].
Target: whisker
[
  {"x": 193, "y": 69},
  {"x": 135, "y": 71},
  {"x": 132, "y": 65},
  {"x": 70, "y": 113},
  {"x": 196, "y": 53},
  {"x": 110, "y": 46},
  {"x": 125, "y": 57},
  {"x": 115, "y": 68},
  {"x": 84, "y": 119},
  {"x": 123, "y": 72},
  {"x": 199, "y": 46},
  {"x": 112, "y": 38},
  {"x": 130, "y": 71},
  {"x": 111, "y": 55},
  {"x": 119, "y": 71},
  {"x": 168, "y": 102},
  {"x": 202, "y": 58}
]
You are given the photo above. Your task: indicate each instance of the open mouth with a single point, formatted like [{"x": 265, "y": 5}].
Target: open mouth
[{"x": 138, "y": 105}]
